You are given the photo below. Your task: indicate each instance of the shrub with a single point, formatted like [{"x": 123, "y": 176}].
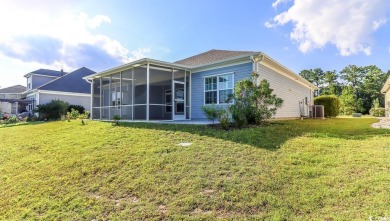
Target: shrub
[
  {"x": 238, "y": 115},
  {"x": 31, "y": 119},
  {"x": 79, "y": 108},
  {"x": 331, "y": 105},
  {"x": 52, "y": 110},
  {"x": 212, "y": 112},
  {"x": 116, "y": 119},
  {"x": 224, "y": 119},
  {"x": 253, "y": 103},
  {"x": 73, "y": 114},
  {"x": 84, "y": 116},
  {"x": 11, "y": 120},
  {"x": 378, "y": 112}
]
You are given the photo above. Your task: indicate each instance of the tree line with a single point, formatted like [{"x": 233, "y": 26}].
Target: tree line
[{"x": 358, "y": 88}]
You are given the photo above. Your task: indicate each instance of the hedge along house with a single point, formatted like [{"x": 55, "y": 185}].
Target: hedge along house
[{"x": 149, "y": 90}]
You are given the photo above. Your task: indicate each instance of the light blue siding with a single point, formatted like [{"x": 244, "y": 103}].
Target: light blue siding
[{"x": 240, "y": 72}]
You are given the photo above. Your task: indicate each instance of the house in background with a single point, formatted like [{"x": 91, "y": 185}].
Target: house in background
[
  {"x": 150, "y": 89},
  {"x": 386, "y": 90},
  {"x": 11, "y": 99},
  {"x": 44, "y": 86}
]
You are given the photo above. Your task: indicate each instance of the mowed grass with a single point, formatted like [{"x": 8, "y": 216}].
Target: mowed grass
[{"x": 337, "y": 169}]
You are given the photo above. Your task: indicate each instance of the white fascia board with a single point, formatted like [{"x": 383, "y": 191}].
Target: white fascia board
[
  {"x": 63, "y": 93},
  {"x": 30, "y": 74}
]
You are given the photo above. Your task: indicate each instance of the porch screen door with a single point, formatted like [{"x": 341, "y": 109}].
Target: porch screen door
[{"x": 179, "y": 100}]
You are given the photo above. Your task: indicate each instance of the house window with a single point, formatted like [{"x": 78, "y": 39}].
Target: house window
[{"x": 218, "y": 88}]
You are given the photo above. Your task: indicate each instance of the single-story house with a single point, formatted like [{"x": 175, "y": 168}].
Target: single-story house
[
  {"x": 9, "y": 98},
  {"x": 44, "y": 86},
  {"x": 386, "y": 90},
  {"x": 149, "y": 89}
]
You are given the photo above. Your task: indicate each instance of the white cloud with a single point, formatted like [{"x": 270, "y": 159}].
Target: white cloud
[
  {"x": 43, "y": 34},
  {"x": 278, "y": 2},
  {"x": 347, "y": 24}
]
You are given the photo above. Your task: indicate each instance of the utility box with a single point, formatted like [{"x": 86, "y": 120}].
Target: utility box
[{"x": 317, "y": 111}]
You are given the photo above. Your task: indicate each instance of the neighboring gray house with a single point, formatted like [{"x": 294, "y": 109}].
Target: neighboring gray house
[
  {"x": 10, "y": 99},
  {"x": 386, "y": 90},
  {"x": 149, "y": 89},
  {"x": 44, "y": 86}
]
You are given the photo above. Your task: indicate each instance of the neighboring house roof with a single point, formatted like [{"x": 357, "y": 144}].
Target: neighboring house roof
[
  {"x": 72, "y": 82},
  {"x": 211, "y": 57},
  {"x": 17, "y": 89},
  {"x": 47, "y": 72},
  {"x": 386, "y": 86}
]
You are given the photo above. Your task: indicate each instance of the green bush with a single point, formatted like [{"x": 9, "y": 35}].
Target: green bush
[
  {"x": 378, "y": 112},
  {"x": 224, "y": 119},
  {"x": 73, "y": 114},
  {"x": 331, "y": 105},
  {"x": 11, "y": 120},
  {"x": 254, "y": 102},
  {"x": 52, "y": 110},
  {"x": 212, "y": 111},
  {"x": 238, "y": 115},
  {"x": 79, "y": 108},
  {"x": 116, "y": 119}
]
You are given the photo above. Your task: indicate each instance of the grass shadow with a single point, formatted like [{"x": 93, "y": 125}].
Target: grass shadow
[
  {"x": 274, "y": 135},
  {"x": 268, "y": 137},
  {"x": 3, "y": 126}
]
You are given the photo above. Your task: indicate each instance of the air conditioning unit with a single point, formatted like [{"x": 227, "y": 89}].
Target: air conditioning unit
[{"x": 317, "y": 111}]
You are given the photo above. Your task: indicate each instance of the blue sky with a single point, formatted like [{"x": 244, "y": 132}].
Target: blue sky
[{"x": 300, "y": 34}]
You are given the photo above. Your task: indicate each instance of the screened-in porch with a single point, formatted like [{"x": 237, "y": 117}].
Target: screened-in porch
[{"x": 143, "y": 91}]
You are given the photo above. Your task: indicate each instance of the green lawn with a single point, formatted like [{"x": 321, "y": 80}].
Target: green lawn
[{"x": 335, "y": 169}]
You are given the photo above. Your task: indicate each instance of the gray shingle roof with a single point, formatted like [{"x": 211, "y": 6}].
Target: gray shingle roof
[
  {"x": 211, "y": 56},
  {"x": 49, "y": 72},
  {"x": 17, "y": 89},
  {"x": 72, "y": 82}
]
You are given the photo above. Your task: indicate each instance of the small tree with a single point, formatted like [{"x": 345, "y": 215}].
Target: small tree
[
  {"x": 348, "y": 102},
  {"x": 253, "y": 103}
]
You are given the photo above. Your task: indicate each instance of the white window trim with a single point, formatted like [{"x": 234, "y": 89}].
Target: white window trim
[{"x": 217, "y": 75}]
